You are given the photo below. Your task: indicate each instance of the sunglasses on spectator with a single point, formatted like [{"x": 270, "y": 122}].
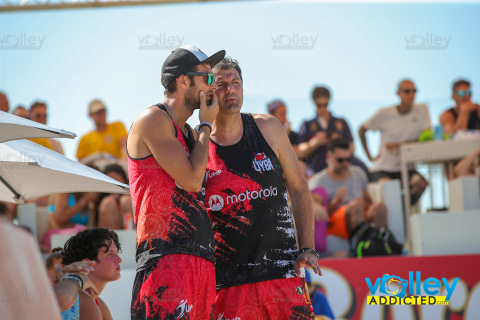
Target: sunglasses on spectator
[
  {"x": 341, "y": 160},
  {"x": 462, "y": 93},
  {"x": 39, "y": 115},
  {"x": 322, "y": 105},
  {"x": 210, "y": 76},
  {"x": 407, "y": 91}
]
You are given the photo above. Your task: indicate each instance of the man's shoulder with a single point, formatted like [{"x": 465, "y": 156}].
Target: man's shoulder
[
  {"x": 88, "y": 307},
  {"x": 151, "y": 118},
  {"x": 318, "y": 179},
  {"x": 420, "y": 106},
  {"x": 116, "y": 124},
  {"x": 266, "y": 121},
  {"x": 358, "y": 172}
]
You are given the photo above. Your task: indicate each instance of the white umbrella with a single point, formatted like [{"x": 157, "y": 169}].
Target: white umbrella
[
  {"x": 29, "y": 171},
  {"x": 14, "y": 128}
]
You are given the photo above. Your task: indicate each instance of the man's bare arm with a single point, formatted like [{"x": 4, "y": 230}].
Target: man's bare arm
[
  {"x": 155, "y": 130},
  {"x": 302, "y": 204},
  {"x": 361, "y": 134}
]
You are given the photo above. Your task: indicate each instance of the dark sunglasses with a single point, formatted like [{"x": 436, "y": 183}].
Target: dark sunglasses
[
  {"x": 462, "y": 93},
  {"x": 341, "y": 160},
  {"x": 407, "y": 91},
  {"x": 322, "y": 105},
  {"x": 210, "y": 76}
]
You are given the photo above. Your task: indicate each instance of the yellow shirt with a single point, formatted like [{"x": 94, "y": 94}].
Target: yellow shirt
[
  {"x": 44, "y": 142},
  {"x": 105, "y": 141}
]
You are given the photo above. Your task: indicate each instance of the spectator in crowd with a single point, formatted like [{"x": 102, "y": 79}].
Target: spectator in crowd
[
  {"x": 278, "y": 109},
  {"x": 115, "y": 210},
  {"x": 8, "y": 210},
  {"x": 465, "y": 114},
  {"x": 107, "y": 137},
  {"x": 321, "y": 307},
  {"x": 21, "y": 111},
  {"x": 349, "y": 202},
  {"x": 55, "y": 258},
  {"x": 70, "y": 213},
  {"x": 320, "y": 214},
  {"x": 4, "y": 105},
  {"x": 38, "y": 113},
  {"x": 397, "y": 124},
  {"x": 102, "y": 246},
  {"x": 68, "y": 282},
  {"x": 315, "y": 134}
]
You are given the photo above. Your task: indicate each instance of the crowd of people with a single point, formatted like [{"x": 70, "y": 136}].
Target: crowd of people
[
  {"x": 103, "y": 147},
  {"x": 271, "y": 195}
]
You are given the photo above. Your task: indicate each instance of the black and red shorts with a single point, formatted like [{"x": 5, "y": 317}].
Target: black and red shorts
[
  {"x": 178, "y": 286},
  {"x": 281, "y": 299}
]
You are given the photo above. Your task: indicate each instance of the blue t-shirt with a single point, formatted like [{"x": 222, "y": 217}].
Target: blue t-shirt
[
  {"x": 321, "y": 306},
  {"x": 74, "y": 312},
  {"x": 79, "y": 217}
]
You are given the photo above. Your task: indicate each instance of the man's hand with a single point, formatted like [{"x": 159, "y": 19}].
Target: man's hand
[
  {"x": 341, "y": 193},
  {"x": 468, "y": 107},
  {"x": 319, "y": 139},
  {"x": 307, "y": 259},
  {"x": 208, "y": 113},
  {"x": 319, "y": 212},
  {"x": 81, "y": 266},
  {"x": 82, "y": 272},
  {"x": 392, "y": 147}
]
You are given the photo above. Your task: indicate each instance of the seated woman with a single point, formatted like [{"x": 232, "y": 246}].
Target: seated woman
[
  {"x": 69, "y": 213},
  {"x": 115, "y": 210}
]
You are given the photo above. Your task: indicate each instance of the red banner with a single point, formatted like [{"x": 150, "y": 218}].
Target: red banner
[{"x": 346, "y": 289}]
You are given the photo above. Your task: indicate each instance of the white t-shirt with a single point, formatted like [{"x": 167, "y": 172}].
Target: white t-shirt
[{"x": 397, "y": 128}]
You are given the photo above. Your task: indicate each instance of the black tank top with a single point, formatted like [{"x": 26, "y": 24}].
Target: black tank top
[
  {"x": 247, "y": 203},
  {"x": 473, "y": 120}
]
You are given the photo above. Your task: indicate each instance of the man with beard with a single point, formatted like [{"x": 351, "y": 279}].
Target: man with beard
[
  {"x": 251, "y": 165},
  {"x": 175, "y": 242}
]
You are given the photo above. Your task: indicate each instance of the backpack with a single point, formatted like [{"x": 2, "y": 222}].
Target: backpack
[{"x": 366, "y": 240}]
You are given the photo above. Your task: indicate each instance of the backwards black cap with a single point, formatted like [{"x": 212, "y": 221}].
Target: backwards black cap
[{"x": 184, "y": 59}]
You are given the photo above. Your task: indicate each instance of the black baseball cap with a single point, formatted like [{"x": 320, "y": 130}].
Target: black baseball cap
[{"x": 184, "y": 59}]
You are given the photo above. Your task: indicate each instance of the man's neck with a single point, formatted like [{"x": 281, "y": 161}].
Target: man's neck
[
  {"x": 99, "y": 284},
  {"x": 180, "y": 112},
  {"x": 325, "y": 117},
  {"x": 101, "y": 127},
  {"x": 404, "y": 108},
  {"x": 337, "y": 176},
  {"x": 227, "y": 129}
]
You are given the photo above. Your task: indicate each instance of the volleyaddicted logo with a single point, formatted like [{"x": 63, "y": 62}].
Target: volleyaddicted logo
[
  {"x": 395, "y": 290},
  {"x": 295, "y": 41},
  {"x": 427, "y": 42},
  {"x": 21, "y": 41},
  {"x": 162, "y": 41}
]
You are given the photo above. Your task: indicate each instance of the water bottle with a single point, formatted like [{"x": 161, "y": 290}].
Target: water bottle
[{"x": 438, "y": 133}]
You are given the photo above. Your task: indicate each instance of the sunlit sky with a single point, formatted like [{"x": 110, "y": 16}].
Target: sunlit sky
[{"x": 358, "y": 50}]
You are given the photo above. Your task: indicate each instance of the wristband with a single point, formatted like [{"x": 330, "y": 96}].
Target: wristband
[
  {"x": 309, "y": 250},
  {"x": 205, "y": 123},
  {"x": 76, "y": 278}
]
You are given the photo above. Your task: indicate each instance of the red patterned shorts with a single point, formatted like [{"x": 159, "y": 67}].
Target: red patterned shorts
[
  {"x": 178, "y": 286},
  {"x": 274, "y": 299}
]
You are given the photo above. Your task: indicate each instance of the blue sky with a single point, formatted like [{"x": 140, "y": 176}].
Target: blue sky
[{"x": 358, "y": 50}]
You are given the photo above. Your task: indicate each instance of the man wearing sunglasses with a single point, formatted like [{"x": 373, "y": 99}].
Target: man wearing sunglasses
[
  {"x": 397, "y": 124},
  {"x": 251, "y": 166},
  {"x": 175, "y": 241},
  {"x": 349, "y": 202},
  {"x": 465, "y": 114}
]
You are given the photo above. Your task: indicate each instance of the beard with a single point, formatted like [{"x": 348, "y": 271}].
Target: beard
[{"x": 192, "y": 98}]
